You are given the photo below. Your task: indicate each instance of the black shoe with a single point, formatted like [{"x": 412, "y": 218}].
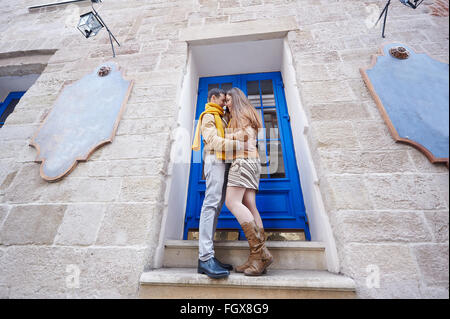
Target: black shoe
[
  {"x": 212, "y": 269},
  {"x": 226, "y": 266}
]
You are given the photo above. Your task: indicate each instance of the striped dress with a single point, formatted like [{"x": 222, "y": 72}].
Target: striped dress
[
  {"x": 245, "y": 172},
  {"x": 245, "y": 169}
]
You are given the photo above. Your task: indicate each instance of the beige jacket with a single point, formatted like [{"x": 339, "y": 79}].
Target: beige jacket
[
  {"x": 212, "y": 141},
  {"x": 248, "y": 135}
]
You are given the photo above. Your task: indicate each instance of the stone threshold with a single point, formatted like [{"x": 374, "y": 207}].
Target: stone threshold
[{"x": 277, "y": 283}]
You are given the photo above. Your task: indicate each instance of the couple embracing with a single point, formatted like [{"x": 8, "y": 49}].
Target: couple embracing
[{"x": 230, "y": 136}]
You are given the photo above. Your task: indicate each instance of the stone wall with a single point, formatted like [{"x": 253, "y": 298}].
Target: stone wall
[{"x": 387, "y": 204}]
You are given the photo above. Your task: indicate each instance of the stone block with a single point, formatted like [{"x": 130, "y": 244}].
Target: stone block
[
  {"x": 228, "y": 3},
  {"x": 7, "y": 180},
  {"x": 315, "y": 58},
  {"x": 29, "y": 187},
  {"x": 130, "y": 224},
  {"x": 136, "y": 146},
  {"x": 433, "y": 263},
  {"x": 361, "y": 56},
  {"x": 4, "y": 209},
  {"x": 434, "y": 292},
  {"x": 343, "y": 111},
  {"x": 345, "y": 192},
  {"x": 246, "y": 30},
  {"x": 423, "y": 164},
  {"x": 247, "y": 3},
  {"x": 67, "y": 272},
  {"x": 154, "y": 47},
  {"x": 23, "y": 116},
  {"x": 36, "y": 103},
  {"x": 394, "y": 265},
  {"x": 18, "y": 132},
  {"x": 149, "y": 79},
  {"x": 168, "y": 30},
  {"x": 10, "y": 148},
  {"x": 438, "y": 222},
  {"x": 80, "y": 225},
  {"x": 32, "y": 224},
  {"x": 334, "y": 135},
  {"x": 172, "y": 61},
  {"x": 156, "y": 109},
  {"x": 400, "y": 191},
  {"x": 359, "y": 89},
  {"x": 344, "y": 71},
  {"x": 442, "y": 183},
  {"x": 301, "y": 41},
  {"x": 381, "y": 226},
  {"x": 142, "y": 189},
  {"x": 313, "y": 72},
  {"x": 337, "y": 162},
  {"x": 375, "y": 136},
  {"x": 145, "y": 127},
  {"x": 4, "y": 292},
  {"x": 123, "y": 168},
  {"x": 390, "y": 289},
  {"x": 326, "y": 92},
  {"x": 156, "y": 92}
]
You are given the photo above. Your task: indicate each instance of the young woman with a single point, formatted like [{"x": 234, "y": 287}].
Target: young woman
[{"x": 243, "y": 180}]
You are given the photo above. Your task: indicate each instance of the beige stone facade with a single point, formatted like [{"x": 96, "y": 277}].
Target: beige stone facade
[{"x": 386, "y": 205}]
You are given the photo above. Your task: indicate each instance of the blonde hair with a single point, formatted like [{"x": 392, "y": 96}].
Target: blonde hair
[{"x": 243, "y": 113}]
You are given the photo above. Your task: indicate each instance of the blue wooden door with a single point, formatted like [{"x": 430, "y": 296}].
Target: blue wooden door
[{"x": 279, "y": 199}]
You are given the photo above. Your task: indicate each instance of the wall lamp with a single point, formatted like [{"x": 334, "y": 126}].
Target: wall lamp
[{"x": 91, "y": 23}]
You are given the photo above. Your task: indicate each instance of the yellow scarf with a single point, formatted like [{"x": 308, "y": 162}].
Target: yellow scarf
[{"x": 217, "y": 111}]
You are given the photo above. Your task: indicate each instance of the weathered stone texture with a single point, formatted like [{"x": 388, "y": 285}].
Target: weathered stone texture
[
  {"x": 433, "y": 263},
  {"x": 32, "y": 224},
  {"x": 438, "y": 223},
  {"x": 387, "y": 204},
  {"x": 376, "y": 191},
  {"x": 80, "y": 225},
  {"x": 51, "y": 272},
  {"x": 129, "y": 224},
  {"x": 3, "y": 213},
  {"x": 398, "y": 191},
  {"x": 388, "y": 270}
]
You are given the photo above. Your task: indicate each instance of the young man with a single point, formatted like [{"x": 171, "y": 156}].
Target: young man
[{"x": 212, "y": 124}]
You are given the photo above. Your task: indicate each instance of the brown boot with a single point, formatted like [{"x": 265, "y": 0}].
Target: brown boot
[
  {"x": 260, "y": 258},
  {"x": 241, "y": 268}
]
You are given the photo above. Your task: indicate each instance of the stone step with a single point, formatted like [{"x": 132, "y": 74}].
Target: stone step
[
  {"x": 182, "y": 283},
  {"x": 304, "y": 255}
]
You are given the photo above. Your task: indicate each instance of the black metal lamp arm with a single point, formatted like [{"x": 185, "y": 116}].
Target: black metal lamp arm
[{"x": 104, "y": 24}]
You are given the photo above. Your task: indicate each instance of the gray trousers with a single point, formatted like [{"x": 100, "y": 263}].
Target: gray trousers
[{"x": 216, "y": 173}]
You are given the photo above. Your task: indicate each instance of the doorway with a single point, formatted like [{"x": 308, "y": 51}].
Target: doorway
[{"x": 279, "y": 199}]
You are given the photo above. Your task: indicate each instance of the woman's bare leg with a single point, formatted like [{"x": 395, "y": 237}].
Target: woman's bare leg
[
  {"x": 233, "y": 201},
  {"x": 250, "y": 202}
]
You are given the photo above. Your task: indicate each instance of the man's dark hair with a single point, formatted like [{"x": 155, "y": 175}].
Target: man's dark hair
[{"x": 216, "y": 92}]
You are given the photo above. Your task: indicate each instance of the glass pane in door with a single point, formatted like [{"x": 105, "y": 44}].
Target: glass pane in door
[
  {"x": 253, "y": 93},
  {"x": 271, "y": 123},
  {"x": 275, "y": 155},
  {"x": 226, "y": 86},
  {"x": 261, "y": 95},
  {"x": 268, "y": 98}
]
